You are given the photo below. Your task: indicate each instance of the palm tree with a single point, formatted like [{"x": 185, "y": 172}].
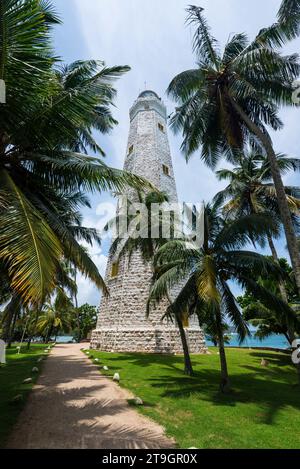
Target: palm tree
[
  {"x": 230, "y": 98},
  {"x": 126, "y": 243},
  {"x": 270, "y": 321},
  {"x": 205, "y": 274},
  {"x": 49, "y": 117},
  {"x": 56, "y": 316},
  {"x": 250, "y": 190},
  {"x": 65, "y": 290}
]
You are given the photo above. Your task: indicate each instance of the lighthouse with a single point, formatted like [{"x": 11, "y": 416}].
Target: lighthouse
[{"x": 122, "y": 324}]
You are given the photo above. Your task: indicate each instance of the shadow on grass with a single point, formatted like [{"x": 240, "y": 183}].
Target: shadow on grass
[
  {"x": 278, "y": 359},
  {"x": 246, "y": 388},
  {"x": 272, "y": 387},
  {"x": 173, "y": 362}
]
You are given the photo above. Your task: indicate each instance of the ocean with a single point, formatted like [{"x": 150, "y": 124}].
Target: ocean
[{"x": 276, "y": 341}]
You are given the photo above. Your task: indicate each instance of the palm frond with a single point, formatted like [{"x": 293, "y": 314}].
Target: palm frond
[
  {"x": 248, "y": 229},
  {"x": 231, "y": 309},
  {"x": 204, "y": 44},
  {"x": 28, "y": 246}
]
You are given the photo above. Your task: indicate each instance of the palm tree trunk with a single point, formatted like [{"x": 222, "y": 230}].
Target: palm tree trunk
[
  {"x": 290, "y": 336},
  {"x": 281, "y": 285},
  {"x": 280, "y": 191},
  {"x": 33, "y": 330},
  {"x": 188, "y": 368},
  {"x": 9, "y": 313},
  {"x": 12, "y": 329},
  {"x": 225, "y": 383},
  {"x": 282, "y": 289},
  {"x": 75, "y": 296},
  {"x": 49, "y": 334}
]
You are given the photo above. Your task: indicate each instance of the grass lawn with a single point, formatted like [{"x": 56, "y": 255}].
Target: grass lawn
[
  {"x": 12, "y": 375},
  {"x": 263, "y": 411}
]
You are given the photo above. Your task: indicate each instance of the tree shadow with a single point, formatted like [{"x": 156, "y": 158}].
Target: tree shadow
[
  {"x": 272, "y": 395},
  {"x": 145, "y": 360},
  {"x": 73, "y": 406},
  {"x": 278, "y": 359}
]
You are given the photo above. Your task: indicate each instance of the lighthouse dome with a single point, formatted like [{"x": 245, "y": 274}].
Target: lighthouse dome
[{"x": 148, "y": 94}]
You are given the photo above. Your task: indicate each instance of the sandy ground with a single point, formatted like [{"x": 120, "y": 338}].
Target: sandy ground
[{"x": 73, "y": 406}]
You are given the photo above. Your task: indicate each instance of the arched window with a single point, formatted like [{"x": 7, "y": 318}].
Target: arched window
[
  {"x": 185, "y": 320},
  {"x": 114, "y": 269}
]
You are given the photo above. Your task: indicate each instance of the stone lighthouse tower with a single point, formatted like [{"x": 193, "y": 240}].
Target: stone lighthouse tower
[{"x": 122, "y": 323}]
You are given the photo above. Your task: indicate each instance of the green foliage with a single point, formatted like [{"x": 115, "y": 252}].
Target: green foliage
[
  {"x": 272, "y": 320},
  {"x": 250, "y": 188},
  {"x": 289, "y": 18},
  {"x": 249, "y": 75},
  {"x": 211, "y": 333},
  {"x": 56, "y": 317},
  {"x": 84, "y": 320},
  {"x": 46, "y": 131}
]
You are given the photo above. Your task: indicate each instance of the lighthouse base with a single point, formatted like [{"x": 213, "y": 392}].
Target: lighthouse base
[{"x": 147, "y": 340}]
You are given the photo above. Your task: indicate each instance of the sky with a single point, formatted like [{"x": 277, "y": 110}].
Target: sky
[{"x": 152, "y": 38}]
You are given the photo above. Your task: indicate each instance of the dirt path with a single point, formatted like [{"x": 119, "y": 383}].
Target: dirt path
[{"x": 73, "y": 406}]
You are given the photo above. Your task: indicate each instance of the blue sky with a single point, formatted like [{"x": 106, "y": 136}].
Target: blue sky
[{"x": 151, "y": 37}]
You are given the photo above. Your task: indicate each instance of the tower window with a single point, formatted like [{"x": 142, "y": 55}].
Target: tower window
[
  {"x": 166, "y": 170},
  {"x": 161, "y": 127},
  {"x": 115, "y": 269},
  {"x": 185, "y": 320},
  {"x": 130, "y": 150}
]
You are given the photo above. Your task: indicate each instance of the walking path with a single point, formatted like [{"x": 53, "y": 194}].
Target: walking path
[{"x": 74, "y": 406}]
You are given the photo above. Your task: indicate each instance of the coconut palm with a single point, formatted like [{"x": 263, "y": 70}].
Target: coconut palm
[
  {"x": 56, "y": 316},
  {"x": 231, "y": 98},
  {"x": 49, "y": 117},
  {"x": 126, "y": 243},
  {"x": 17, "y": 314},
  {"x": 250, "y": 190},
  {"x": 270, "y": 321},
  {"x": 206, "y": 273}
]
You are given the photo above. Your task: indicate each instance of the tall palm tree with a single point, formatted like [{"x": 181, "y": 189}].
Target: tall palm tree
[
  {"x": 232, "y": 96},
  {"x": 49, "y": 117},
  {"x": 250, "y": 190},
  {"x": 127, "y": 243},
  {"x": 206, "y": 272}
]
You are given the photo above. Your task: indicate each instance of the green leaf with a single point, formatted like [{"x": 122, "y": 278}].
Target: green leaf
[{"x": 28, "y": 246}]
